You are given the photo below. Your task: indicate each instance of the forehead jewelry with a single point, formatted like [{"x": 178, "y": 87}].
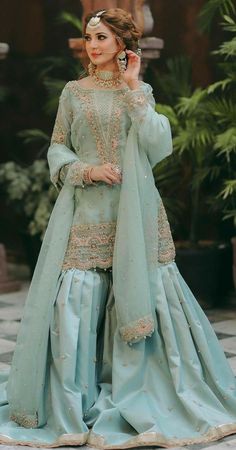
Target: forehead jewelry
[{"x": 95, "y": 20}]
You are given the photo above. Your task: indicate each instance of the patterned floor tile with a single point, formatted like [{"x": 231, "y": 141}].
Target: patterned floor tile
[
  {"x": 11, "y": 313},
  {"x": 232, "y": 362},
  {"x": 227, "y": 445},
  {"x": 226, "y": 327},
  {"x": 6, "y": 345},
  {"x": 9, "y": 327},
  {"x": 229, "y": 345},
  {"x": 6, "y": 357},
  {"x": 4, "y": 366}
]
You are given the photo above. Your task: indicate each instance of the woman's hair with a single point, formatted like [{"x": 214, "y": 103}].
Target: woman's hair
[{"x": 121, "y": 24}]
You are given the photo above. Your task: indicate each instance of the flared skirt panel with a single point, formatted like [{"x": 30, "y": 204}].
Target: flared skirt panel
[{"x": 173, "y": 388}]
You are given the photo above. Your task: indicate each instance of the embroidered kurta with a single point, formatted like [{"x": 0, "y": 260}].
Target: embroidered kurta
[
  {"x": 95, "y": 123},
  {"x": 74, "y": 379}
]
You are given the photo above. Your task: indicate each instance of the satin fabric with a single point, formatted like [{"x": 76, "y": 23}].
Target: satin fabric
[
  {"x": 136, "y": 240},
  {"x": 174, "y": 388}
]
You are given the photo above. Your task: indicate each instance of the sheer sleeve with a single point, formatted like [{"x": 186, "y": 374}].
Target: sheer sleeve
[
  {"x": 153, "y": 129},
  {"x": 64, "y": 164}
]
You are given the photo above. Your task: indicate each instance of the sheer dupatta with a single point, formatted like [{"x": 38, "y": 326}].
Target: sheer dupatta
[{"x": 135, "y": 255}]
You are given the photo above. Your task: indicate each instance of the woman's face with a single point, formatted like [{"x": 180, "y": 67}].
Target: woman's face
[{"x": 101, "y": 45}]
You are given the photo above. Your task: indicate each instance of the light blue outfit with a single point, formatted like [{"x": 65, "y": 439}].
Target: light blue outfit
[{"x": 113, "y": 350}]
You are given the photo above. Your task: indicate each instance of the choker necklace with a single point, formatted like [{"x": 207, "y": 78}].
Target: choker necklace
[{"x": 104, "y": 78}]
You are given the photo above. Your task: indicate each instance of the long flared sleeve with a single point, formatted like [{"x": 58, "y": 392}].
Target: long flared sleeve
[
  {"x": 64, "y": 164},
  {"x": 153, "y": 129}
]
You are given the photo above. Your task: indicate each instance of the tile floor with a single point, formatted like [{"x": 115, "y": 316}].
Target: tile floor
[{"x": 223, "y": 322}]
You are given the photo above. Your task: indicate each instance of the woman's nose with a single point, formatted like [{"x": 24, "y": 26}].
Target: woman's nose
[{"x": 93, "y": 43}]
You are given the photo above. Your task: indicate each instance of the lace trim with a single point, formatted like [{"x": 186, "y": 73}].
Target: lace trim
[
  {"x": 75, "y": 175},
  {"x": 166, "y": 247},
  {"x": 137, "y": 104},
  {"x": 90, "y": 245},
  {"x": 61, "y": 131},
  {"x": 24, "y": 420},
  {"x": 153, "y": 438},
  {"x": 64, "y": 439},
  {"x": 104, "y": 123},
  {"x": 142, "y": 439},
  {"x": 137, "y": 330}
]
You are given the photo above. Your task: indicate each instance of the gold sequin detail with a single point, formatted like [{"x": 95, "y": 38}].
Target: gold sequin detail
[
  {"x": 75, "y": 174},
  {"x": 137, "y": 104},
  {"x": 90, "y": 245},
  {"x": 26, "y": 421},
  {"x": 166, "y": 247},
  {"x": 152, "y": 438},
  {"x": 105, "y": 129},
  {"x": 137, "y": 329},
  {"x": 61, "y": 129}
]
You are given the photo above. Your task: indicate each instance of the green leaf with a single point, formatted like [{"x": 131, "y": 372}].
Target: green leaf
[
  {"x": 226, "y": 142},
  {"x": 33, "y": 135},
  {"x": 66, "y": 17},
  {"x": 211, "y": 9},
  {"x": 187, "y": 105},
  {"x": 222, "y": 84}
]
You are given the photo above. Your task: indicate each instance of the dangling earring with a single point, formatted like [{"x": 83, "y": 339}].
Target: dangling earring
[
  {"x": 91, "y": 68},
  {"x": 121, "y": 61}
]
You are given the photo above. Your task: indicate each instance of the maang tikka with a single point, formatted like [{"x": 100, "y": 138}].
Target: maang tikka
[{"x": 95, "y": 20}]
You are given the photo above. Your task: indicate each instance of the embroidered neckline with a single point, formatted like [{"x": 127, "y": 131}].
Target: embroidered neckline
[{"x": 126, "y": 88}]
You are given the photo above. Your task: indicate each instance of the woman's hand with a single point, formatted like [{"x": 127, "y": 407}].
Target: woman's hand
[
  {"x": 130, "y": 75},
  {"x": 109, "y": 173}
]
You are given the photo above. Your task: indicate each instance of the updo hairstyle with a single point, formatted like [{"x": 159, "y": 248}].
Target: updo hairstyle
[{"x": 121, "y": 24}]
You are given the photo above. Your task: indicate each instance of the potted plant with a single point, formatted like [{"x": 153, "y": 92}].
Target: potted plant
[{"x": 203, "y": 124}]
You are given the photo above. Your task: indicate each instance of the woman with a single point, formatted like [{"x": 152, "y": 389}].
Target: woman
[{"x": 114, "y": 350}]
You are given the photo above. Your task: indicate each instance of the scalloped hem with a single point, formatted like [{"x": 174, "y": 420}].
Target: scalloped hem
[
  {"x": 144, "y": 439},
  {"x": 157, "y": 439},
  {"x": 64, "y": 439}
]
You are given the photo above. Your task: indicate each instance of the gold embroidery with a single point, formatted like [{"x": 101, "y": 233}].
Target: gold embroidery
[
  {"x": 137, "y": 104},
  {"x": 60, "y": 133},
  {"x": 90, "y": 245},
  {"x": 166, "y": 248},
  {"x": 137, "y": 329},
  {"x": 104, "y": 122},
  {"x": 64, "y": 439},
  {"x": 75, "y": 174},
  {"x": 26, "y": 421},
  {"x": 152, "y": 438}
]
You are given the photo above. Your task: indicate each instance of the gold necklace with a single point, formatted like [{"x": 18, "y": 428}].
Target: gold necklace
[{"x": 104, "y": 78}]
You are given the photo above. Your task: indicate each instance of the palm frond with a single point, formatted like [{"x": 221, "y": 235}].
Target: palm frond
[
  {"x": 229, "y": 24},
  {"x": 225, "y": 143},
  {"x": 169, "y": 112},
  {"x": 188, "y": 105},
  {"x": 222, "y": 84},
  {"x": 228, "y": 190},
  {"x": 33, "y": 135},
  {"x": 193, "y": 138},
  {"x": 227, "y": 49},
  {"x": 54, "y": 88},
  {"x": 177, "y": 82},
  {"x": 211, "y": 9},
  {"x": 66, "y": 17},
  {"x": 223, "y": 109}
]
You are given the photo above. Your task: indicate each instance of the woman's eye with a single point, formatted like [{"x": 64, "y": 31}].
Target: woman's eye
[
  {"x": 86, "y": 38},
  {"x": 101, "y": 37}
]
